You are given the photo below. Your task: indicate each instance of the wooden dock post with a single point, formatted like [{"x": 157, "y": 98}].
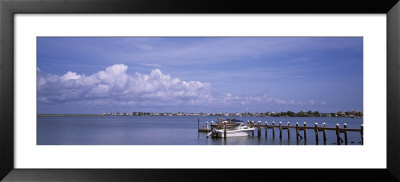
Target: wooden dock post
[
  {"x": 288, "y": 130},
  {"x": 224, "y": 129},
  {"x": 280, "y": 129},
  {"x": 297, "y": 131},
  {"x": 324, "y": 133},
  {"x": 198, "y": 124},
  {"x": 316, "y": 133},
  {"x": 252, "y": 125},
  {"x": 345, "y": 133},
  {"x": 305, "y": 132},
  {"x": 273, "y": 129},
  {"x": 259, "y": 129},
  {"x": 362, "y": 134},
  {"x": 266, "y": 128},
  {"x": 206, "y": 126},
  {"x": 338, "y": 134}
]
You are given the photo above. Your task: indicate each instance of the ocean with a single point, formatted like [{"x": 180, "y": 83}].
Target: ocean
[{"x": 176, "y": 130}]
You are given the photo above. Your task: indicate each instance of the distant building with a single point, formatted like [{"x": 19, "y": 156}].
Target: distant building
[{"x": 341, "y": 114}]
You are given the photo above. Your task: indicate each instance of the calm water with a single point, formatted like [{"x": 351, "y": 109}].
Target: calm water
[{"x": 171, "y": 130}]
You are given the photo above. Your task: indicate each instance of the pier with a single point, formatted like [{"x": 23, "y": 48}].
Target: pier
[{"x": 298, "y": 128}]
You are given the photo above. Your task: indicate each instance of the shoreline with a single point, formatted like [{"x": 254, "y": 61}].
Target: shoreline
[{"x": 95, "y": 115}]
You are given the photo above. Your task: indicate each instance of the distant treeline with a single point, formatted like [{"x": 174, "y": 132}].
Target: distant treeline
[
  {"x": 356, "y": 114},
  {"x": 352, "y": 114},
  {"x": 317, "y": 114}
]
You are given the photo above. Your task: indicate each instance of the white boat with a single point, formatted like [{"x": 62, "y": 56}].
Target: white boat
[{"x": 238, "y": 131}]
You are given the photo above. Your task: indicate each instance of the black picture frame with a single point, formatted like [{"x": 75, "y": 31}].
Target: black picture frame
[{"x": 8, "y": 8}]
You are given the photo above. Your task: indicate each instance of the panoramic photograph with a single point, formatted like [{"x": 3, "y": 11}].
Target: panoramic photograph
[{"x": 200, "y": 91}]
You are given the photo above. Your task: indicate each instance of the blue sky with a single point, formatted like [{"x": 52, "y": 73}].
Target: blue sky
[{"x": 199, "y": 74}]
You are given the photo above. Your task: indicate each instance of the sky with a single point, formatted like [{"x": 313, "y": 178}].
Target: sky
[{"x": 82, "y": 75}]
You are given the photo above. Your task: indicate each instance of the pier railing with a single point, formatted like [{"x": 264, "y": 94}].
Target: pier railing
[{"x": 317, "y": 128}]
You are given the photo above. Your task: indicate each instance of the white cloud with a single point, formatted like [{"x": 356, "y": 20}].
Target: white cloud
[
  {"x": 113, "y": 86},
  {"x": 323, "y": 102},
  {"x": 70, "y": 76}
]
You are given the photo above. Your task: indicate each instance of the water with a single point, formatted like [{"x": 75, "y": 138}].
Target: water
[{"x": 175, "y": 130}]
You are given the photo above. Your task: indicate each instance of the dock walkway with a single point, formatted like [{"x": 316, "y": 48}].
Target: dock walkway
[{"x": 317, "y": 128}]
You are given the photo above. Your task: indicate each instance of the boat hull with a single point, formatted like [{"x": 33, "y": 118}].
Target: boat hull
[
  {"x": 234, "y": 133},
  {"x": 237, "y": 134}
]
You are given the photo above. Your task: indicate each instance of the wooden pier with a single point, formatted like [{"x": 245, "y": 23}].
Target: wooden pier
[{"x": 223, "y": 125}]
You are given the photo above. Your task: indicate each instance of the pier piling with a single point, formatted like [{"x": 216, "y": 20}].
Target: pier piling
[
  {"x": 224, "y": 129},
  {"x": 345, "y": 133},
  {"x": 316, "y": 133},
  {"x": 362, "y": 134},
  {"x": 338, "y": 134},
  {"x": 273, "y": 129},
  {"x": 259, "y": 129},
  {"x": 207, "y": 125},
  {"x": 324, "y": 133},
  {"x": 288, "y": 130},
  {"x": 280, "y": 130},
  {"x": 252, "y": 125},
  {"x": 266, "y": 128},
  {"x": 297, "y": 131},
  {"x": 198, "y": 124},
  {"x": 305, "y": 132}
]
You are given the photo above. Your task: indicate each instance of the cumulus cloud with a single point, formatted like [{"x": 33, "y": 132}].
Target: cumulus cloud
[
  {"x": 70, "y": 76},
  {"x": 113, "y": 86}
]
